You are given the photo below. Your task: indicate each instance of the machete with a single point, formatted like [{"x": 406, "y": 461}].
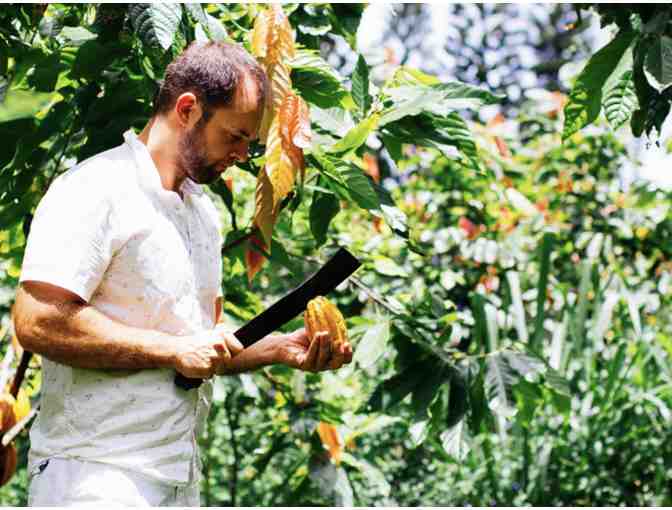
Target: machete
[{"x": 333, "y": 273}]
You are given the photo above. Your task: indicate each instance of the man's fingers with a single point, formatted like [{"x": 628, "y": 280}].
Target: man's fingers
[
  {"x": 338, "y": 357},
  {"x": 348, "y": 352},
  {"x": 325, "y": 350},
  {"x": 234, "y": 344},
  {"x": 222, "y": 350},
  {"x": 310, "y": 361}
]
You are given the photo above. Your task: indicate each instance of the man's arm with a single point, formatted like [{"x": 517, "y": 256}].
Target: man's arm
[{"x": 60, "y": 326}]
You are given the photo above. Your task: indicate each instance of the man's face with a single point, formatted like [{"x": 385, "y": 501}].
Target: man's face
[{"x": 210, "y": 147}]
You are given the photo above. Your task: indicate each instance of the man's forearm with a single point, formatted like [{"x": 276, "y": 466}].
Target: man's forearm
[
  {"x": 83, "y": 337},
  {"x": 259, "y": 354}
]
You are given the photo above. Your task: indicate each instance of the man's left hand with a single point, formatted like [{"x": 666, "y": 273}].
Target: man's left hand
[{"x": 297, "y": 351}]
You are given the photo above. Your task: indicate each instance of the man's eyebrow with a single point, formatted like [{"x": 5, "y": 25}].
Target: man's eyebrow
[{"x": 239, "y": 132}]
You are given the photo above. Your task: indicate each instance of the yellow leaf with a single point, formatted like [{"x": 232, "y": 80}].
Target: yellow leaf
[
  {"x": 21, "y": 405},
  {"x": 294, "y": 121},
  {"x": 279, "y": 167},
  {"x": 260, "y": 32},
  {"x": 331, "y": 440},
  {"x": 264, "y": 216},
  {"x": 280, "y": 40}
]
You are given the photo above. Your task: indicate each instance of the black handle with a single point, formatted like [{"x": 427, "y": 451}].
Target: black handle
[{"x": 187, "y": 383}]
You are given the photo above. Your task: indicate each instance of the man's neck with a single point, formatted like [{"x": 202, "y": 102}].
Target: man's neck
[{"x": 162, "y": 146}]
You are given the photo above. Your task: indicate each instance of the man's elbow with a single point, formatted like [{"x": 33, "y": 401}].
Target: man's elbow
[{"x": 25, "y": 322}]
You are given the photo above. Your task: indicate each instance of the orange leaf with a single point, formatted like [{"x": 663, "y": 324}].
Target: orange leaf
[
  {"x": 279, "y": 167},
  {"x": 371, "y": 165},
  {"x": 470, "y": 229},
  {"x": 294, "y": 123},
  {"x": 331, "y": 440},
  {"x": 280, "y": 37},
  {"x": 229, "y": 183},
  {"x": 377, "y": 224},
  {"x": 502, "y": 147},
  {"x": 254, "y": 260},
  {"x": 264, "y": 216}
]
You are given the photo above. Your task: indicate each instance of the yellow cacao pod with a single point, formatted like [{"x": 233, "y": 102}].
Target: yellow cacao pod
[{"x": 322, "y": 315}]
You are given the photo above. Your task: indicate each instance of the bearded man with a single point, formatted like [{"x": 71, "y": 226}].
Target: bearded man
[{"x": 121, "y": 288}]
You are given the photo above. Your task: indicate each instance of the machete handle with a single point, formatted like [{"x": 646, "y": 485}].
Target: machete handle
[{"x": 187, "y": 383}]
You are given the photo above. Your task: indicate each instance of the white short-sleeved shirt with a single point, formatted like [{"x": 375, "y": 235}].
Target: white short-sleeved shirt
[{"x": 108, "y": 231}]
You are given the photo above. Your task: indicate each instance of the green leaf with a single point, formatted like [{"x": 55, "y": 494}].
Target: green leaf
[
  {"x": 46, "y": 74},
  {"x": 585, "y": 99},
  {"x": 432, "y": 131},
  {"x": 197, "y": 13},
  {"x": 372, "y": 345},
  {"x": 357, "y": 135},
  {"x": 21, "y": 104},
  {"x": 455, "y": 441},
  {"x": 349, "y": 181},
  {"x": 332, "y": 481},
  {"x": 360, "y": 86},
  {"x": 375, "y": 478},
  {"x": 323, "y": 208},
  {"x": 658, "y": 63},
  {"x": 542, "y": 285},
  {"x": 499, "y": 381},
  {"x": 215, "y": 29},
  {"x": 440, "y": 99},
  {"x": 315, "y": 80},
  {"x": 392, "y": 391},
  {"x": 77, "y": 36},
  {"x": 156, "y": 24},
  {"x": 620, "y": 101}
]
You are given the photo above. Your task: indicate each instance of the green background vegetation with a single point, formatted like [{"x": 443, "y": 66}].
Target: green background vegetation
[{"x": 511, "y": 338}]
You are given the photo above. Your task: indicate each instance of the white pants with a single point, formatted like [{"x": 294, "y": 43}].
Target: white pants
[{"x": 69, "y": 482}]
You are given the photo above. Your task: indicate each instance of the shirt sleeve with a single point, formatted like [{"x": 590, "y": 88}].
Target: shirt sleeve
[{"x": 72, "y": 237}]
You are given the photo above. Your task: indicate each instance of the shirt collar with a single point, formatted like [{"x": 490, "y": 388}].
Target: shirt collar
[{"x": 149, "y": 174}]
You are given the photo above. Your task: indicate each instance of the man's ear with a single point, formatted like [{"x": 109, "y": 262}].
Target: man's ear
[{"x": 188, "y": 110}]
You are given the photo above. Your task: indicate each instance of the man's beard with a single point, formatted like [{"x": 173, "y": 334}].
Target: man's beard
[{"x": 192, "y": 157}]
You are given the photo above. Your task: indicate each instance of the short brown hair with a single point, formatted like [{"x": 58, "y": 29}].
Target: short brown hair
[{"x": 211, "y": 71}]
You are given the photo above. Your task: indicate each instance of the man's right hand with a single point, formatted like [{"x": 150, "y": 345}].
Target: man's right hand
[{"x": 201, "y": 355}]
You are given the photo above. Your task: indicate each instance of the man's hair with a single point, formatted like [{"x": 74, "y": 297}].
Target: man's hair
[{"x": 210, "y": 71}]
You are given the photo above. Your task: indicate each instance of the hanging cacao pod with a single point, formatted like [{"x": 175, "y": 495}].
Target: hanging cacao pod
[{"x": 322, "y": 315}]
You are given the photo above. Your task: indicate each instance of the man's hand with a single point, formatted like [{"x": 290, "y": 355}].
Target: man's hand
[
  {"x": 296, "y": 350},
  {"x": 202, "y": 355}
]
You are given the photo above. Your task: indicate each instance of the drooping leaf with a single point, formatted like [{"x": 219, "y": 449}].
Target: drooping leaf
[
  {"x": 658, "y": 63},
  {"x": 454, "y": 441},
  {"x": 254, "y": 259},
  {"x": 585, "y": 100},
  {"x": 331, "y": 440},
  {"x": 264, "y": 216},
  {"x": 281, "y": 172},
  {"x": 360, "y": 86},
  {"x": 392, "y": 391},
  {"x": 499, "y": 382},
  {"x": 323, "y": 208},
  {"x": 372, "y": 345},
  {"x": 156, "y": 24},
  {"x": 620, "y": 98}
]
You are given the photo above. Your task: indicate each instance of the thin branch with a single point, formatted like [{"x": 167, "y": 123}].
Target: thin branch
[{"x": 9, "y": 436}]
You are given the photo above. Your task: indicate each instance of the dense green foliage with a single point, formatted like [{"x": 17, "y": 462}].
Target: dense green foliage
[
  {"x": 629, "y": 79},
  {"x": 511, "y": 341}
]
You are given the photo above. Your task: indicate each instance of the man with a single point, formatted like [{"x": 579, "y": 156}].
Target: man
[{"x": 120, "y": 290}]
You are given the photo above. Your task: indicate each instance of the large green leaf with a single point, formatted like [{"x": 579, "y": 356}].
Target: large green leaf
[
  {"x": 315, "y": 80},
  {"x": 455, "y": 441},
  {"x": 360, "y": 86},
  {"x": 658, "y": 63},
  {"x": 434, "y": 131},
  {"x": 372, "y": 345},
  {"x": 323, "y": 208},
  {"x": 392, "y": 391},
  {"x": 156, "y": 24},
  {"x": 22, "y": 104},
  {"x": 348, "y": 181},
  {"x": 357, "y": 135},
  {"x": 440, "y": 99},
  {"x": 620, "y": 99},
  {"x": 500, "y": 379},
  {"x": 585, "y": 99}
]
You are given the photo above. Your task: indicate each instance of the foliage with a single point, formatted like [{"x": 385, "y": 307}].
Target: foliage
[
  {"x": 629, "y": 79},
  {"x": 508, "y": 337}
]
